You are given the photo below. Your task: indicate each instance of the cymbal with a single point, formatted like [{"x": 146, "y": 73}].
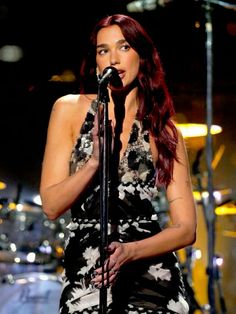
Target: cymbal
[{"x": 197, "y": 129}]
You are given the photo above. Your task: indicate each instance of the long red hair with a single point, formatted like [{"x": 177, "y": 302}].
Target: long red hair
[{"x": 155, "y": 103}]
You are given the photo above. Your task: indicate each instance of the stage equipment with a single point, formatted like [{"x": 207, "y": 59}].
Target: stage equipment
[
  {"x": 209, "y": 209},
  {"x": 28, "y": 240},
  {"x": 33, "y": 292},
  {"x": 109, "y": 76},
  {"x": 189, "y": 130}
]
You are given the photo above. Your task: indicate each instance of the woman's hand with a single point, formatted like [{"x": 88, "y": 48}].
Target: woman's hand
[
  {"x": 119, "y": 254},
  {"x": 97, "y": 141}
]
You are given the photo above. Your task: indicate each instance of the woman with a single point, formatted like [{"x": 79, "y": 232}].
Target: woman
[{"x": 148, "y": 153}]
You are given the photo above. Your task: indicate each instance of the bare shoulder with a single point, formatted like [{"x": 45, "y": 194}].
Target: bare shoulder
[
  {"x": 180, "y": 135},
  {"x": 72, "y": 106},
  {"x": 182, "y": 152},
  {"x": 181, "y": 140},
  {"x": 73, "y": 102},
  {"x": 71, "y": 110}
]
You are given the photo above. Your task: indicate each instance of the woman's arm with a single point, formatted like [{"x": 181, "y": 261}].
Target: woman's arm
[
  {"x": 58, "y": 190},
  {"x": 182, "y": 229}
]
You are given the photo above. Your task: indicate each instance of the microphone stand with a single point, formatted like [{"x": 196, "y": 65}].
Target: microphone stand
[{"x": 103, "y": 125}]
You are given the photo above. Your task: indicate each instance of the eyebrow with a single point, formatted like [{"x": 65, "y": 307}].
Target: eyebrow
[{"x": 121, "y": 41}]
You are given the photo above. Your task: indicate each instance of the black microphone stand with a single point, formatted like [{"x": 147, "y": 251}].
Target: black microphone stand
[{"x": 103, "y": 125}]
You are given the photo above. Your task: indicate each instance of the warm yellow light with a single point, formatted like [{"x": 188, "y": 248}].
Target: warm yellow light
[
  {"x": 65, "y": 76},
  {"x": 2, "y": 185},
  {"x": 12, "y": 205},
  {"x": 197, "y": 129},
  {"x": 229, "y": 209},
  {"x": 230, "y": 234}
]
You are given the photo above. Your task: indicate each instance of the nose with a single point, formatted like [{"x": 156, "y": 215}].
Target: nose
[{"x": 114, "y": 57}]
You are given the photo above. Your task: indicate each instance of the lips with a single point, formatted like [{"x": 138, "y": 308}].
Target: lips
[{"x": 121, "y": 73}]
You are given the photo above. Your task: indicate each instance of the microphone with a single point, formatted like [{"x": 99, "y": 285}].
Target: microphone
[{"x": 110, "y": 75}]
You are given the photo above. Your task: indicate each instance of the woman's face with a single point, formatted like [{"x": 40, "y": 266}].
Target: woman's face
[{"x": 114, "y": 50}]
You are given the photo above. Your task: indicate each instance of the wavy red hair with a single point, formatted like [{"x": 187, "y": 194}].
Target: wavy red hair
[{"x": 155, "y": 103}]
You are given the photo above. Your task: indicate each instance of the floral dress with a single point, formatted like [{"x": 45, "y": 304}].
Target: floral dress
[{"x": 153, "y": 285}]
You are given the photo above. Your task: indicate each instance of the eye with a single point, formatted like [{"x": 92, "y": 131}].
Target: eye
[
  {"x": 102, "y": 51},
  {"x": 125, "y": 47}
]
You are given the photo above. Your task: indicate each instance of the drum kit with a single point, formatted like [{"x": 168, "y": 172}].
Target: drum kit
[{"x": 31, "y": 249}]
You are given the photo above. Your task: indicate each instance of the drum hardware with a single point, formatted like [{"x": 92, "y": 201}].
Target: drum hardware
[
  {"x": 220, "y": 195},
  {"x": 192, "y": 256},
  {"x": 32, "y": 292},
  {"x": 209, "y": 209},
  {"x": 28, "y": 240},
  {"x": 186, "y": 258},
  {"x": 31, "y": 251},
  {"x": 212, "y": 269}
]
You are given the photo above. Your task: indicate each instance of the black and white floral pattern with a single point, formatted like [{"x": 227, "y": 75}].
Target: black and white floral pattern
[{"x": 150, "y": 286}]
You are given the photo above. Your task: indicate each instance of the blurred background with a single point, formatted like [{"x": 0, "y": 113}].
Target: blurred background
[{"x": 41, "y": 47}]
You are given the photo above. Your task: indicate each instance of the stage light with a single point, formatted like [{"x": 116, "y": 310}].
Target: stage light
[
  {"x": 37, "y": 200},
  {"x": 2, "y": 185},
  {"x": 142, "y": 5},
  {"x": 11, "y": 53},
  {"x": 145, "y": 5},
  {"x": 197, "y": 129}
]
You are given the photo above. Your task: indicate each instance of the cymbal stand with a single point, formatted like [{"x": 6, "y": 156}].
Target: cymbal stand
[
  {"x": 217, "y": 275},
  {"x": 209, "y": 212},
  {"x": 212, "y": 271}
]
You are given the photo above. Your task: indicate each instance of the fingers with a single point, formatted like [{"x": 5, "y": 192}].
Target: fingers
[
  {"x": 106, "y": 275},
  {"x": 112, "y": 247},
  {"x": 110, "y": 267},
  {"x": 106, "y": 279}
]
